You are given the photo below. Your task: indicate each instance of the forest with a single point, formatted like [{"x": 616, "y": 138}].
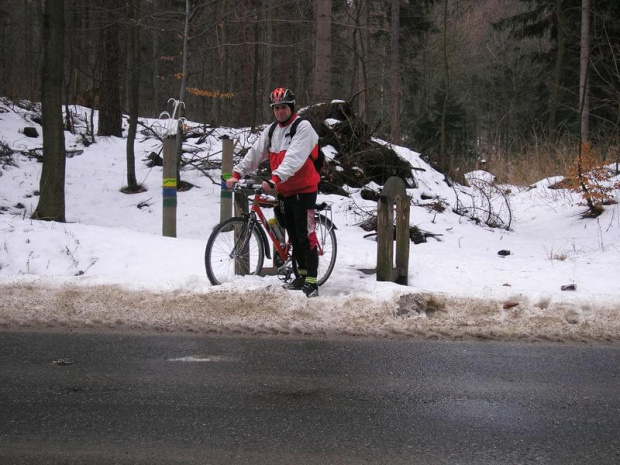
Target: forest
[{"x": 512, "y": 83}]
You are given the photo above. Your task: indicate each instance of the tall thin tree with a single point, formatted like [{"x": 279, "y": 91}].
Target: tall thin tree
[
  {"x": 189, "y": 14},
  {"x": 133, "y": 88},
  {"x": 255, "y": 70},
  {"x": 394, "y": 72},
  {"x": 267, "y": 61},
  {"x": 584, "y": 99},
  {"x": 359, "y": 45},
  {"x": 155, "y": 56},
  {"x": 556, "y": 79},
  {"x": 444, "y": 111},
  {"x": 52, "y": 184},
  {"x": 110, "y": 111},
  {"x": 322, "y": 49}
]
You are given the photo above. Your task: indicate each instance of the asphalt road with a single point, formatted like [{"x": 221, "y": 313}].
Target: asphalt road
[{"x": 144, "y": 399}]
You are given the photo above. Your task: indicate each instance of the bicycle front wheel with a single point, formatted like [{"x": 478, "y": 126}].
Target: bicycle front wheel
[{"x": 234, "y": 248}]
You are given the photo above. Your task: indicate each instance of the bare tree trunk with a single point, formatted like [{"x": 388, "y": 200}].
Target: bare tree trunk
[
  {"x": 365, "y": 50},
  {"x": 322, "y": 50},
  {"x": 133, "y": 97},
  {"x": 355, "y": 58},
  {"x": 182, "y": 91},
  {"x": 444, "y": 112},
  {"x": 359, "y": 77},
  {"x": 255, "y": 72},
  {"x": 184, "y": 71},
  {"x": 584, "y": 99},
  {"x": 110, "y": 112},
  {"x": 156, "y": 104},
  {"x": 72, "y": 77},
  {"x": 268, "y": 57},
  {"x": 557, "y": 72},
  {"x": 223, "y": 64},
  {"x": 52, "y": 184},
  {"x": 394, "y": 73}
]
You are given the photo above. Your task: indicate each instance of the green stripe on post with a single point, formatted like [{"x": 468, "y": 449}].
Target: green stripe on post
[
  {"x": 225, "y": 193},
  {"x": 170, "y": 202}
]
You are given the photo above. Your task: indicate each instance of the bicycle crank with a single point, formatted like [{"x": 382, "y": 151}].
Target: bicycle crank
[{"x": 285, "y": 273}]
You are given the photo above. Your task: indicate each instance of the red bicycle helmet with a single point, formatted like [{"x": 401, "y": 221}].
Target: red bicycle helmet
[{"x": 280, "y": 96}]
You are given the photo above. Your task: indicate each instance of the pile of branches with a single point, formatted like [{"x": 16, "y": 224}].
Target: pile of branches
[
  {"x": 484, "y": 203},
  {"x": 359, "y": 159}
]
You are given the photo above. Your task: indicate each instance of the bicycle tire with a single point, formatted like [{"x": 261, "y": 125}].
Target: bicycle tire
[
  {"x": 223, "y": 260},
  {"x": 326, "y": 235}
]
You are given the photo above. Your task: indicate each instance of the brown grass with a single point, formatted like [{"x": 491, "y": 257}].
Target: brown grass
[{"x": 535, "y": 162}]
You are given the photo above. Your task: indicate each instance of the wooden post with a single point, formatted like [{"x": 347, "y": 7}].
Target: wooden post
[
  {"x": 385, "y": 239},
  {"x": 241, "y": 206},
  {"x": 169, "y": 215},
  {"x": 227, "y": 165},
  {"x": 402, "y": 240},
  {"x": 393, "y": 194}
]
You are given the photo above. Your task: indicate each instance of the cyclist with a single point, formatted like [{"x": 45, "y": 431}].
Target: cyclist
[{"x": 296, "y": 182}]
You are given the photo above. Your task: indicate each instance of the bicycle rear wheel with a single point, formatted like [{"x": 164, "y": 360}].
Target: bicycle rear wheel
[
  {"x": 328, "y": 248},
  {"x": 233, "y": 249}
]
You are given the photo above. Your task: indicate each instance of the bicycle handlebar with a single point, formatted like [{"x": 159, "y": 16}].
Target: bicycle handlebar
[
  {"x": 246, "y": 185},
  {"x": 249, "y": 186}
]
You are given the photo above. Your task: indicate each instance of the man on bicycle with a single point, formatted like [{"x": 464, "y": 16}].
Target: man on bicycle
[{"x": 296, "y": 182}]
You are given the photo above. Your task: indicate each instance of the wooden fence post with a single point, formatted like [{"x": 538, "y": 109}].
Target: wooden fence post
[
  {"x": 227, "y": 165},
  {"x": 403, "y": 240},
  {"x": 169, "y": 214},
  {"x": 385, "y": 239},
  {"x": 393, "y": 194},
  {"x": 241, "y": 207}
]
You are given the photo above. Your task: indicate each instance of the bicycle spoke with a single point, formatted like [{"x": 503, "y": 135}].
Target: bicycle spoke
[{"x": 233, "y": 250}]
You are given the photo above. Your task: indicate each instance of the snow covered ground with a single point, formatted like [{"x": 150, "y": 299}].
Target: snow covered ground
[{"x": 109, "y": 267}]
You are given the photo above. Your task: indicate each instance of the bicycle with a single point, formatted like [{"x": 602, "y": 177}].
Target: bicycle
[{"x": 239, "y": 245}]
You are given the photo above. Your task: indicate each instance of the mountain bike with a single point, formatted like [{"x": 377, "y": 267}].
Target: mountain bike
[{"x": 239, "y": 245}]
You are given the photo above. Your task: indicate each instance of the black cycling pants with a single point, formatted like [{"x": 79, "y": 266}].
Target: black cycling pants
[{"x": 300, "y": 223}]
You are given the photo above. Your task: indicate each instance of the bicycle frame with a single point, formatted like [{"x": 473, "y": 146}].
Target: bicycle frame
[{"x": 258, "y": 201}]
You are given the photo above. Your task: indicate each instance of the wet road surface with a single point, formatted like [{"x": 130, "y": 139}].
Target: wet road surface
[{"x": 93, "y": 398}]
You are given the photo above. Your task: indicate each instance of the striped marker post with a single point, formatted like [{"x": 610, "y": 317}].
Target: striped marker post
[{"x": 169, "y": 216}]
